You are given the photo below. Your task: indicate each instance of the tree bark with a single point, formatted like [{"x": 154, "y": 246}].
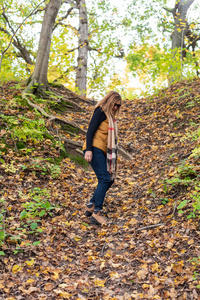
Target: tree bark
[
  {"x": 39, "y": 76},
  {"x": 181, "y": 25},
  {"x": 81, "y": 71},
  {"x": 180, "y": 31}
]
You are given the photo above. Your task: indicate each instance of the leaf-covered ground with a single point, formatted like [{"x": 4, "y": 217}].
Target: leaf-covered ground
[{"x": 151, "y": 251}]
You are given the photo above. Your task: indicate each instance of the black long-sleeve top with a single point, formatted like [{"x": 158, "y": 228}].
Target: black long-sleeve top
[{"x": 97, "y": 118}]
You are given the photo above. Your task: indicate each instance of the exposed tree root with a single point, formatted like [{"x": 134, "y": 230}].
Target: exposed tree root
[
  {"x": 51, "y": 117},
  {"x": 74, "y": 105},
  {"x": 71, "y": 96}
]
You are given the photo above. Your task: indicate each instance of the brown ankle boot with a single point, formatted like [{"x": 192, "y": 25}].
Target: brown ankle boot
[
  {"x": 89, "y": 211},
  {"x": 99, "y": 219}
]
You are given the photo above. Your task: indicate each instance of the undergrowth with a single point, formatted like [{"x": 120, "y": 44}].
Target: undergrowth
[
  {"x": 187, "y": 175},
  {"x": 29, "y": 146}
]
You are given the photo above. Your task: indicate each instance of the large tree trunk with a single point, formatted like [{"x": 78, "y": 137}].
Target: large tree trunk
[
  {"x": 39, "y": 76},
  {"x": 180, "y": 31},
  {"x": 81, "y": 71},
  {"x": 180, "y": 20}
]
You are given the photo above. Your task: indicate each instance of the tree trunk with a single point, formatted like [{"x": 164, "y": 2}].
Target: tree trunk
[
  {"x": 180, "y": 30},
  {"x": 81, "y": 71},
  {"x": 180, "y": 27},
  {"x": 39, "y": 76}
]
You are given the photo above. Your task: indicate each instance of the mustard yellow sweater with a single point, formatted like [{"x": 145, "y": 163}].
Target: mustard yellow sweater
[{"x": 100, "y": 136}]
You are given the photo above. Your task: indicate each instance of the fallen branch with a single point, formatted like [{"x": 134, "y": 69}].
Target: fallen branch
[
  {"x": 150, "y": 226},
  {"x": 103, "y": 248},
  {"x": 124, "y": 154},
  {"x": 174, "y": 209},
  {"x": 75, "y": 143},
  {"x": 79, "y": 151}
]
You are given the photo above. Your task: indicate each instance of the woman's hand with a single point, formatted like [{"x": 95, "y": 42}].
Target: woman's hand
[{"x": 88, "y": 156}]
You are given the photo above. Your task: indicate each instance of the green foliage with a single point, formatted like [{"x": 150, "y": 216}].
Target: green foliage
[
  {"x": 10, "y": 167},
  {"x": 2, "y": 224},
  {"x": 195, "y": 261},
  {"x": 186, "y": 171},
  {"x": 154, "y": 64},
  {"x": 37, "y": 205},
  {"x": 44, "y": 166},
  {"x": 103, "y": 38},
  {"x": 164, "y": 200},
  {"x": 187, "y": 176},
  {"x": 196, "y": 150},
  {"x": 24, "y": 128},
  {"x": 149, "y": 56},
  {"x": 196, "y": 203}
]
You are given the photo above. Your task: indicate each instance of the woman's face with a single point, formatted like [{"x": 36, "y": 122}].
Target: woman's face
[{"x": 116, "y": 106}]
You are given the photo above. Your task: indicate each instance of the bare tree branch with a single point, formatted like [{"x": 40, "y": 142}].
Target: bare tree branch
[
  {"x": 25, "y": 54},
  {"x": 193, "y": 42},
  {"x": 19, "y": 25},
  {"x": 69, "y": 26},
  {"x": 64, "y": 17},
  {"x": 70, "y": 2}
]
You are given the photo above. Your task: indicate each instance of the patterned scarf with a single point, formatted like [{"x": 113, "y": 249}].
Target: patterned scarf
[{"x": 112, "y": 147}]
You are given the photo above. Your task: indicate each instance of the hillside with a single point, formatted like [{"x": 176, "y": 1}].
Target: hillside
[{"x": 48, "y": 248}]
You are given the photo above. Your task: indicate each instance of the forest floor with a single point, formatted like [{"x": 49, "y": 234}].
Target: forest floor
[{"x": 151, "y": 251}]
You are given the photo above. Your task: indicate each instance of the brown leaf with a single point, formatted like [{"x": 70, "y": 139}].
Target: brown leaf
[{"x": 49, "y": 286}]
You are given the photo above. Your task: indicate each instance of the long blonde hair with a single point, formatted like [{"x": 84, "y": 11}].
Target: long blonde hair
[{"x": 108, "y": 102}]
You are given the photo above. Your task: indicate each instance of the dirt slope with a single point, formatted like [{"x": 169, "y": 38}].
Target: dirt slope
[{"x": 151, "y": 252}]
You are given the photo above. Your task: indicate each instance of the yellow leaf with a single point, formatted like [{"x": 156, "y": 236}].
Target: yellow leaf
[
  {"x": 132, "y": 222},
  {"x": 190, "y": 242},
  {"x": 16, "y": 268},
  {"x": 132, "y": 183},
  {"x": 30, "y": 280},
  {"x": 77, "y": 238},
  {"x": 56, "y": 275},
  {"x": 102, "y": 265},
  {"x": 99, "y": 282},
  {"x": 155, "y": 267},
  {"x": 154, "y": 148},
  {"x": 30, "y": 262},
  {"x": 145, "y": 285},
  {"x": 62, "y": 293}
]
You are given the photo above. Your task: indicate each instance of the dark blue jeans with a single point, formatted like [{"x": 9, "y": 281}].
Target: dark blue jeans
[{"x": 98, "y": 164}]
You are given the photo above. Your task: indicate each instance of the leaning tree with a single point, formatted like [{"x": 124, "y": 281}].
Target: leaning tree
[{"x": 39, "y": 80}]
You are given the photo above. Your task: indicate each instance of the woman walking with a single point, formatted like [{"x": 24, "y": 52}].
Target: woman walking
[{"x": 100, "y": 150}]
